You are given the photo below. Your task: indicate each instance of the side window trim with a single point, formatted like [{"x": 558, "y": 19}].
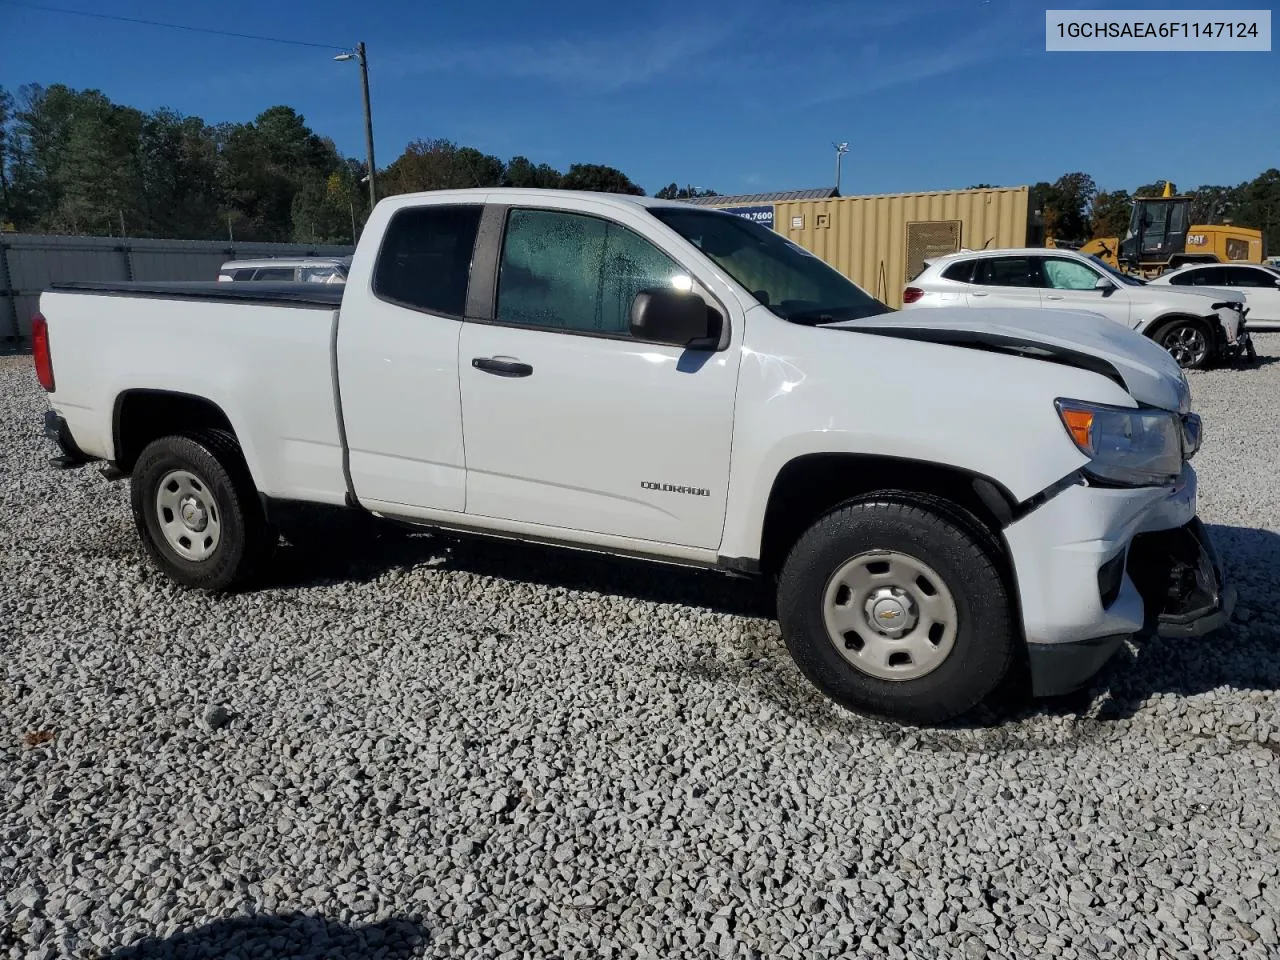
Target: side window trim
[
  {"x": 482, "y": 299},
  {"x": 482, "y": 291},
  {"x": 382, "y": 246}
]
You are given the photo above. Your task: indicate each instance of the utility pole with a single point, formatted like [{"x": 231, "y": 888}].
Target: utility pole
[
  {"x": 841, "y": 149},
  {"x": 359, "y": 54}
]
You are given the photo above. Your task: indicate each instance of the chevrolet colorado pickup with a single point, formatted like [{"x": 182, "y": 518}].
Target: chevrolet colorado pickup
[{"x": 939, "y": 497}]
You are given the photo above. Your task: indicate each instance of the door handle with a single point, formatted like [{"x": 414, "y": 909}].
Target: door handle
[
  {"x": 977, "y": 293},
  {"x": 1053, "y": 296},
  {"x": 502, "y": 367}
]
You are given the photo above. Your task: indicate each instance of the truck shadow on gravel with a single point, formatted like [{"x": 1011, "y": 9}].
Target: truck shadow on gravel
[
  {"x": 283, "y": 936},
  {"x": 327, "y": 546}
]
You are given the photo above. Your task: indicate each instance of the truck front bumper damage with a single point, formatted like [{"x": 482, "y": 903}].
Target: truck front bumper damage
[{"x": 1098, "y": 566}]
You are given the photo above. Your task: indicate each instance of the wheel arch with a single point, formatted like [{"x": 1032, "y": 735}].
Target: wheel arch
[
  {"x": 1165, "y": 321},
  {"x": 810, "y": 485},
  {"x": 142, "y": 415}
]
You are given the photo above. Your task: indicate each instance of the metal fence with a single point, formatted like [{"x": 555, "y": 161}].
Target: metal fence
[{"x": 30, "y": 262}]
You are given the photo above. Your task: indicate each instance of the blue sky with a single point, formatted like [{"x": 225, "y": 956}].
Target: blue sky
[{"x": 739, "y": 96}]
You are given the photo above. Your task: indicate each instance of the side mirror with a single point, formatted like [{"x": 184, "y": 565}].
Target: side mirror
[
  {"x": 669, "y": 316},
  {"x": 1104, "y": 285}
]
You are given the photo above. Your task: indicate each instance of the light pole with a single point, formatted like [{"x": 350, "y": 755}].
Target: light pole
[
  {"x": 359, "y": 54},
  {"x": 841, "y": 150}
]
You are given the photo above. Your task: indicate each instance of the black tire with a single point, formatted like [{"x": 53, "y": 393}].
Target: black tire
[
  {"x": 1180, "y": 338},
  {"x": 244, "y": 536},
  {"x": 984, "y": 643}
]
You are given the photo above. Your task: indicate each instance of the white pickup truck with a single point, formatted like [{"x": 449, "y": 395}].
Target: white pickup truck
[{"x": 941, "y": 497}]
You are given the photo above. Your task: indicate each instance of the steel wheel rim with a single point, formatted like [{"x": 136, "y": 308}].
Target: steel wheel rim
[
  {"x": 188, "y": 515},
  {"x": 890, "y": 616},
  {"x": 1187, "y": 344}
]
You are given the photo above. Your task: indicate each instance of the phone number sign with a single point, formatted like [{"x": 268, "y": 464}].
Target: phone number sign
[{"x": 760, "y": 215}]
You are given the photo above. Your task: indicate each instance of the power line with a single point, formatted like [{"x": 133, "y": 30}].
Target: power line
[{"x": 171, "y": 26}]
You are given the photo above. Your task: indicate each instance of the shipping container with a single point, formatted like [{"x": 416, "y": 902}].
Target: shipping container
[{"x": 881, "y": 242}]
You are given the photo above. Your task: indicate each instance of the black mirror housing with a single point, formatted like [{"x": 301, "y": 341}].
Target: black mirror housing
[{"x": 668, "y": 316}]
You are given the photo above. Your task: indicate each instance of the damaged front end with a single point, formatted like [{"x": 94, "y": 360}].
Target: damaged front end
[
  {"x": 1180, "y": 579},
  {"x": 1235, "y": 341}
]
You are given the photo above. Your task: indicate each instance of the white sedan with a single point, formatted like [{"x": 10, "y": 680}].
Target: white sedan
[{"x": 1260, "y": 286}]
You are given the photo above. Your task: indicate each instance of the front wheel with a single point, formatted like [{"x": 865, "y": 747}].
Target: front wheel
[
  {"x": 197, "y": 510},
  {"x": 1187, "y": 342},
  {"x": 896, "y": 609}
]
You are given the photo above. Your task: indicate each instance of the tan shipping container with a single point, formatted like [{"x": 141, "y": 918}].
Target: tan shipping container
[{"x": 880, "y": 241}]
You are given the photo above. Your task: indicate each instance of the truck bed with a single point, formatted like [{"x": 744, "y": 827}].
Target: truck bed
[
  {"x": 260, "y": 353},
  {"x": 318, "y": 295}
]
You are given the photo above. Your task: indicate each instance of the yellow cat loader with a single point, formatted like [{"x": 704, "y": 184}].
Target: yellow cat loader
[{"x": 1160, "y": 237}]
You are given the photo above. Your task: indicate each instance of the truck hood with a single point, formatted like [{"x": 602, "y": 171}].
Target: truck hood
[{"x": 1080, "y": 339}]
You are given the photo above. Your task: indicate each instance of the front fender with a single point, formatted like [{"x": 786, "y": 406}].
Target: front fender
[{"x": 805, "y": 391}]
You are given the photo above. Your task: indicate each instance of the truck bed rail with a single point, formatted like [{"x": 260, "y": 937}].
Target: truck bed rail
[{"x": 311, "y": 295}]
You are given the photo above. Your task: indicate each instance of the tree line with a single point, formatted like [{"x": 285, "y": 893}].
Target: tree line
[
  {"x": 72, "y": 161},
  {"x": 1075, "y": 210}
]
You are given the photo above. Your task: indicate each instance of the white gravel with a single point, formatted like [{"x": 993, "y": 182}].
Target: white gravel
[{"x": 412, "y": 746}]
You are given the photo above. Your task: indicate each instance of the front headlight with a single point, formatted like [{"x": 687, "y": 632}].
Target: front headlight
[{"x": 1125, "y": 445}]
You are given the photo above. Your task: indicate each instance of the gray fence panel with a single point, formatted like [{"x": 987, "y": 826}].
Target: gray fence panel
[
  {"x": 157, "y": 263},
  {"x": 29, "y": 263}
]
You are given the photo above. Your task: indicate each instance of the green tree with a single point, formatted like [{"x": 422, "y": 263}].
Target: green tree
[
  {"x": 521, "y": 172},
  {"x": 6, "y": 117},
  {"x": 1212, "y": 204},
  {"x": 674, "y": 192},
  {"x": 602, "y": 179},
  {"x": 441, "y": 165},
  {"x": 75, "y": 160},
  {"x": 1155, "y": 189},
  {"x": 262, "y": 166},
  {"x": 256, "y": 196},
  {"x": 1110, "y": 213},
  {"x": 1259, "y": 207},
  {"x": 37, "y": 144},
  {"x": 1064, "y": 205},
  {"x": 178, "y": 166}
]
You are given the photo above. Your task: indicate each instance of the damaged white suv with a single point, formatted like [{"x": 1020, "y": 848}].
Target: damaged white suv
[{"x": 1197, "y": 327}]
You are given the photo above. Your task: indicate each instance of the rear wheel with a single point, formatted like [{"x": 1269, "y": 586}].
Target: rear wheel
[
  {"x": 895, "y": 608},
  {"x": 197, "y": 510},
  {"x": 1187, "y": 342}
]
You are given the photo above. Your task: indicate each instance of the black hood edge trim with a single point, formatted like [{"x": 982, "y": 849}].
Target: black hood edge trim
[{"x": 995, "y": 343}]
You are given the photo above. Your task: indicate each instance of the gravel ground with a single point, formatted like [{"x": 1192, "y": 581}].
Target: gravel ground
[{"x": 415, "y": 746}]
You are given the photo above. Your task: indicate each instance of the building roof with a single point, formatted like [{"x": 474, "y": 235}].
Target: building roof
[{"x": 821, "y": 193}]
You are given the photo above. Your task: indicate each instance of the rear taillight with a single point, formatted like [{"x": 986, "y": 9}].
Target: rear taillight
[
  {"x": 40, "y": 351},
  {"x": 912, "y": 294}
]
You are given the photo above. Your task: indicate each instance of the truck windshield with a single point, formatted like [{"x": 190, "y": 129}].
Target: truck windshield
[{"x": 786, "y": 278}]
